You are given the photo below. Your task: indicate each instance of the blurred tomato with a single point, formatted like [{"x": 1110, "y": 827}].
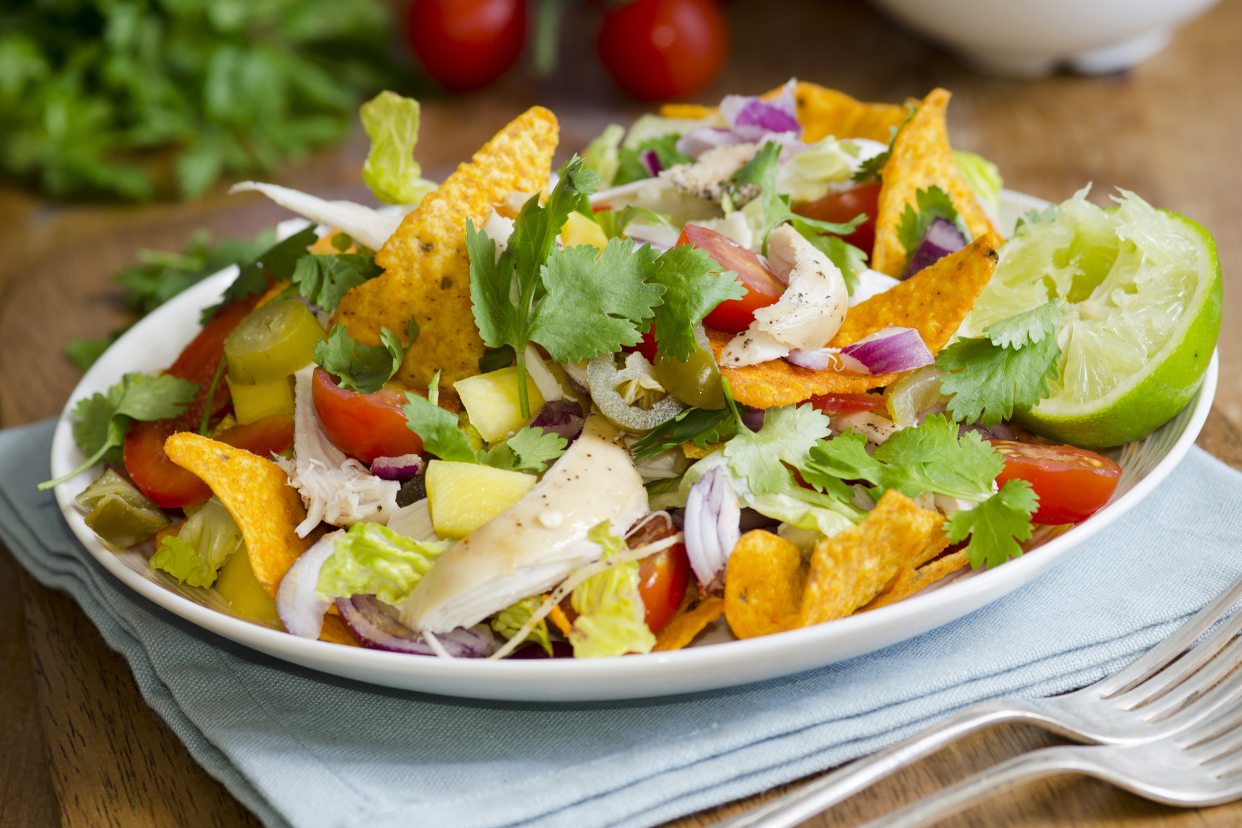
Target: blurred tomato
[
  {"x": 466, "y": 44},
  {"x": 661, "y": 49}
]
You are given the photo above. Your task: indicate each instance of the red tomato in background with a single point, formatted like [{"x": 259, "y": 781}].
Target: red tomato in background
[
  {"x": 364, "y": 426},
  {"x": 847, "y": 403},
  {"x": 1072, "y": 483},
  {"x": 466, "y": 44},
  {"x": 843, "y": 207},
  {"x": 662, "y": 49},
  {"x": 663, "y": 577},
  {"x": 763, "y": 288}
]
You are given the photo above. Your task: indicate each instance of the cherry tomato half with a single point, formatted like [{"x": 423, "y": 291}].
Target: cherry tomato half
[
  {"x": 159, "y": 478},
  {"x": 466, "y": 44},
  {"x": 364, "y": 426},
  {"x": 663, "y": 577},
  {"x": 763, "y": 288},
  {"x": 843, "y": 207},
  {"x": 661, "y": 49},
  {"x": 847, "y": 403},
  {"x": 1072, "y": 483}
]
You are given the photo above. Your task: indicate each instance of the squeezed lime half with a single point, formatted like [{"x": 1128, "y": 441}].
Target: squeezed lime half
[{"x": 1143, "y": 304}]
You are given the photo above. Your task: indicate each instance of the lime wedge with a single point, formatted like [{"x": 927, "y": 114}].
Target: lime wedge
[{"x": 1143, "y": 294}]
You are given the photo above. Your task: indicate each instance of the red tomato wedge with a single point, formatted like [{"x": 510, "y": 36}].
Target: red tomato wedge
[
  {"x": 364, "y": 426},
  {"x": 843, "y": 207},
  {"x": 647, "y": 346},
  {"x": 1072, "y": 483},
  {"x": 163, "y": 481},
  {"x": 847, "y": 403},
  {"x": 663, "y": 577},
  {"x": 763, "y": 288}
]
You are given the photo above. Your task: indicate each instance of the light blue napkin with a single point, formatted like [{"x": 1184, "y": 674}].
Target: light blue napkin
[{"x": 309, "y": 750}]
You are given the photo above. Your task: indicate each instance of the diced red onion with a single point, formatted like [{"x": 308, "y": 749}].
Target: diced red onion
[
  {"x": 890, "y": 350},
  {"x": 563, "y": 417},
  {"x": 1000, "y": 431},
  {"x": 751, "y": 117},
  {"x": 397, "y": 468},
  {"x": 941, "y": 239},
  {"x": 700, "y": 139},
  {"x": 752, "y": 418},
  {"x": 824, "y": 358},
  {"x": 299, "y": 607},
  {"x": 651, "y": 162},
  {"x": 711, "y": 527},
  {"x": 376, "y": 625}
]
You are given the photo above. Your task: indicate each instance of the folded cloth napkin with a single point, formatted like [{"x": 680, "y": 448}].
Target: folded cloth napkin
[{"x": 305, "y": 749}]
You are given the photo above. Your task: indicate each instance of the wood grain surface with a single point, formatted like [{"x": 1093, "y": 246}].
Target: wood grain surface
[{"x": 79, "y": 747}]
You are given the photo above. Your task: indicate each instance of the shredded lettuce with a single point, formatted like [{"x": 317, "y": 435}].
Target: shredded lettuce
[
  {"x": 808, "y": 175},
  {"x": 390, "y": 170},
  {"x": 601, "y": 154},
  {"x": 201, "y": 546},
  {"x": 508, "y": 621},
  {"x": 983, "y": 176},
  {"x": 373, "y": 559},
  {"x": 611, "y": 615}
]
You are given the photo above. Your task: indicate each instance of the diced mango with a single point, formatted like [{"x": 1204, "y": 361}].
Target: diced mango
[
  {"x": 237, "y": 585},
  {"x": 252, "y": 403},
  {"x": 491, "y": 400},
  {"x": 579, "y": 229},
  {"x": 464, "y": 496}
]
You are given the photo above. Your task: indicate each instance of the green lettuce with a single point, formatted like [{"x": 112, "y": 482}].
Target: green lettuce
[
  {"x": 983, "y": 177},
  {"x": 391, "y": 172},
  {"x": 373, "y": 559},
  {"x": 205, "y": 541},
  {"x": 602, "y": 153},
  {"x": 611, "y": 615},
  {"x": 806, "y": 176},
  {"x": 508, "y": 621}
]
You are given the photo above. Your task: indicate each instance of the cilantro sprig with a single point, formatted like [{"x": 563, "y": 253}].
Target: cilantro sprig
[
  {"x": 103, "y": 419},
  {"x": 1008, "y": 367},
  {"x": 280, "y": 260},
  {"x": 359, "y": 367},
  {"x": 324, "y": 279},
  {"x": 528, "y": 450},
  {"x": 694, "y": 424},
  {"x": 996, "y": 526},
  {"x": 870, "y": 169},
  {"x": 933, "y": 203}
]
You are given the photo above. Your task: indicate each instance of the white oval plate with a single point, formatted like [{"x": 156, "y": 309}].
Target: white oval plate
[{"x": 154, "y": 343}]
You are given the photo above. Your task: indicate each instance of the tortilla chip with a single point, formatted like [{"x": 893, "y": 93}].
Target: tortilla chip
[
  {"x": 693, "y": 616},
  {"x": 822, "y": 112},
  {"x": 764, "y": 585},
  {"x": 427, "y": 269},
  {"x": 338, "y": 632},
  {"x": 849, "y": 569},
  {"x": 934, "y": 302},
  {"x": 911, "y": 580},
  {"x": 921, "y": 157},
  {"x": 257, "y": 494}
]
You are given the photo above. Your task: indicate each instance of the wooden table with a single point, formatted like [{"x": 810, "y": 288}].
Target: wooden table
[{"x": 77, "y": 744}]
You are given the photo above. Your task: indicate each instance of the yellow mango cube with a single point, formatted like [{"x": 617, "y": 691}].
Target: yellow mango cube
[
  {"x": 252, "y": 403},
  {"x": 491, "y": 400},
  {"x": 579, "y": 229},
  {"x": 464, "y": 496}
]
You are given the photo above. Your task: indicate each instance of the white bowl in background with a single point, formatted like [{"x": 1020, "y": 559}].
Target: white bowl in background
[{"x": 1014, "y": 38}]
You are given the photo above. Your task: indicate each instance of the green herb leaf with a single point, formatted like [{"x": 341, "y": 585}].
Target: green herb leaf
[
  {"x": 359, "y": 367},
  {"x": 693, "y": 286},
  {"x": 849, "y": 259},
  {"x": 438, "y": 430},
  {"x": 787, "y": 436},
  {"x": 495, "y": 359},
  {"x": 325, "y": 279},
  {"x": 933, "y": 203},
  {"x": 997, "y": 525},
  {"x": 871, "y": 169},
  {"x": 528, "y": 450},
  {"x": 280, "y": 261},
  {"x": 695, "y": 424}
]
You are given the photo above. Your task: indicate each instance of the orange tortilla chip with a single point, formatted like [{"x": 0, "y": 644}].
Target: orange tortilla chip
[
  {"x": 336, "y": 631},
  {"x": 934, "y": 302},
  {"x": 849, "y": 569},
  {"x": 427, "y": 268},
  {"x": 764, "y": 585},
  {"x": 921, "y": 157},
  {"x": 911, "y": 580},
  {"x": 257, "y": 494},
  {"x": 694, "y": 615}
]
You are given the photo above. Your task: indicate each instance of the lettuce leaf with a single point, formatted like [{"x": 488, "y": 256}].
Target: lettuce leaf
[
  {"x": 391, "y": 172},
  {"x": 508, "y": 621},
  {"x": 611, "y": 615},
  {"x": 205, "y": 541},
  {"x": 373, "y": 559},
  {"x": 807, "y": 176},
  {"x": 602, "y": 153}
]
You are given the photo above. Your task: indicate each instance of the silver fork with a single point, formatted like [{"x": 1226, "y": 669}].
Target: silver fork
[
  {"x": 1164, "y": 692},
  {"x": 1195, "y": 768}
]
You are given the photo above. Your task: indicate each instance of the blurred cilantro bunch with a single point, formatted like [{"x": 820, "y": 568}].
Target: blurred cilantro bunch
[{"x": 88, "y": 87}]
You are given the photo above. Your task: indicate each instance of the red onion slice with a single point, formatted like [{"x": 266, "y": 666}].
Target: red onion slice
[
  {"x": 651, "y": 162},
  {"x": 397, "y": 468},
  {"x": 941, "y": 239},
  {"x": 564, "y": 417},
  {"x": 890, "y": 351},
  {"x": 376, "y": 625},
  {"x": 711, "y": 527},
  {"x": 299, "y": 607},
  {"x": 751, "y": 117}
]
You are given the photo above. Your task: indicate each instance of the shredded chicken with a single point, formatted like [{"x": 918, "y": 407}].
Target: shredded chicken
[
  {"x": 705, "y": 177},
  {"x": 334, "y": 488}
]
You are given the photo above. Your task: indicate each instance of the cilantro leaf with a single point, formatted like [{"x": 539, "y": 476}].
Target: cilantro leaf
[
  {"x": 362, "y": 368},
  {"x": 325, "y": 279},
  {"x": 849, "y": 259},
  {"x": 997, "y": 525},
  {"x": 787, "y": 436},
  {"x": 495, "y": 359},
  {"x": 697, "y": 424},
  {"x": 1010, "y": 366},
  {"x": 103, "y": 420},
  {"x": 280, "y": 261},
  {"x": 871, "y": 169},
  {"x": 528, "y": 450},
  {"x": 933, "y": 203},
  {"x": 438, "y": 430},
  {"x": 693, "y": 287}
]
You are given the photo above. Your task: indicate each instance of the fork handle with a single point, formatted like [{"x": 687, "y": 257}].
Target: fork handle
[{"x": 799, "y": 805}]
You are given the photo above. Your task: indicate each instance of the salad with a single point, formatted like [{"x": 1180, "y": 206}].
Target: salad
[{"x": 770, "y": 362}]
